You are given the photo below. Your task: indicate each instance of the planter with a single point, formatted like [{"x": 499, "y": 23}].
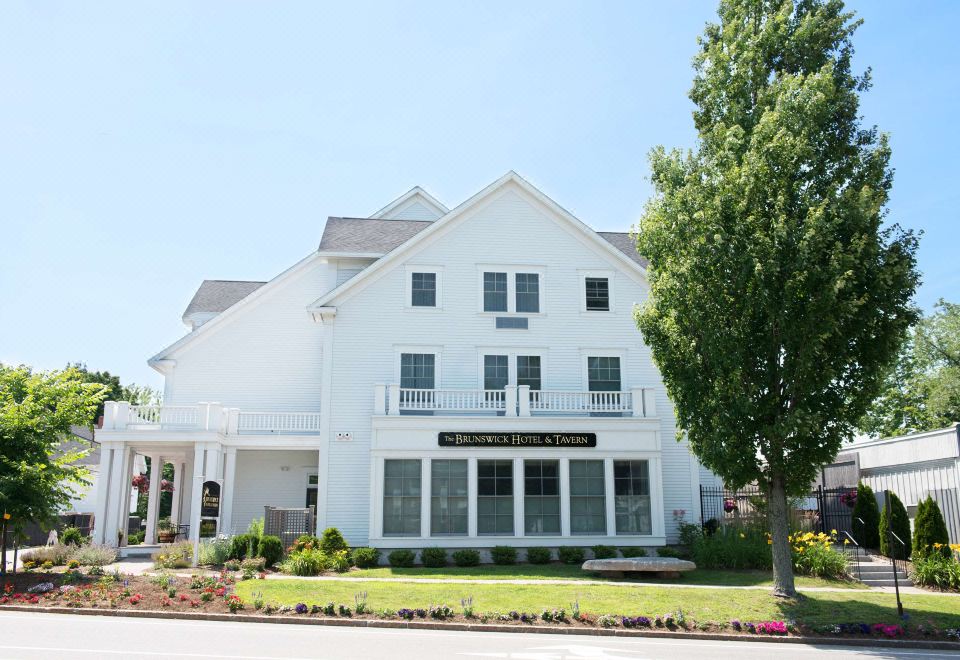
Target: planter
[{"x": 167, "y": 536}]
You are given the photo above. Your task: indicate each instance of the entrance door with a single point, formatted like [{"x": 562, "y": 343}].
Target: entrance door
[{"x": 312, "y": 491}]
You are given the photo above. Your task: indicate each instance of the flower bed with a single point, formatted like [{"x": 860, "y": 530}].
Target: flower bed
[{"x": 216, "y": 594}]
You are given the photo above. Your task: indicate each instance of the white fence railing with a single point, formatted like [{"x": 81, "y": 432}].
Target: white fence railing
[
  {"x": 164, "y": 416},
  {"x": 278, "y": 422},
  {"x": 545, "y": 401},
  {"x": 453, "y": 400}
]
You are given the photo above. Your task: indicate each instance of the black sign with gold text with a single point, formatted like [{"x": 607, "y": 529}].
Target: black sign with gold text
[
  {"x": 517, "y": 439},
  {"x": 210, "y": 500}
]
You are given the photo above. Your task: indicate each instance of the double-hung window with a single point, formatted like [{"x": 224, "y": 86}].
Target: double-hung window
[
  {"x": 603, "y": 377},
  {"x": 494, "y": 292},
  {"x": 418, "y": 370},
  {"x": 631, "y": 488},
  {"x": 423, "y": 289},
  {"x": 496, "y": 376},
  {"x": 541, "y": 498},
  {"x": 448, "y": 497},
  {"x": 528, "y": 371},
  {"x": 588, "y": 508},
  {"x": 597, "y": 294},
  {"x": 528, "y": 293},
  {"x": 401, "y": 497},
  {"x": 495, "y": 498}
]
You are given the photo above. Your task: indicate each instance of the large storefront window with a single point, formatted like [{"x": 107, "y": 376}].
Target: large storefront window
[
  {"x": 541, "y": 498},
  {"x": 631, "y": 487},
  {"x": 588, "y": 508},
  {"x": 448, "y": 498},
  {"x": 401, "y": 497},
  {"x": 495, "y": 498}
]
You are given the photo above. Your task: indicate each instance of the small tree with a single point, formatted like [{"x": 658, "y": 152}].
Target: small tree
[
  {"x": 866, "y": 510},
  {"x": 929, "y": 529},
  {"x": 896, "y": 519}
]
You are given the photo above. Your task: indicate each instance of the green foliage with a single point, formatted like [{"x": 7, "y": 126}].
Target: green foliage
[
  {"x": 466, "y": 557},
  {"x": 778, "y": 299},
  {"x": 677, "y": 553},
  {"x": 365, "y": 557},
  {"x": 38, "y": 478},
  {"x": 503, "y": 555},
  {"x": 936, "y": 570},
  {"x": 136, "y": 538},
  {"x": 922, "y": 390},
  {"x": 114, "y": 391},
  {"x": 538, "y": 555},
  {"x": 214, "y": 552},
  {"x": 819, "y": 559},
  {"x": 305, "y": 542},
  {"x": 72, "y": 536},
  {"x": 434, "y": 557},
  {"x": 570, "y": 554},
  {"x": 930, "y": 530},
  {"x": 732, "y": 548},
  {"x": 899, "y": 522},
  {"x": 401, "y": 558},
  {"x": 270, "y": 548},
  {"x": 255, "y": 528},
  {"x": 332, "y": 541},
  {"x": 306, "y": 562},
  {"x": 243, "y": 546},
  {"x": 57, "y": 555},
  {"x": 867, "y": 532},
  {"x": 340, "y": 560},
  {"x": 634, "y": 551},
  {"x": 603, "y": 551}
]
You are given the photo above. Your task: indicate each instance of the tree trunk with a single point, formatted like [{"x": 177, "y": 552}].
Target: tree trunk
[
  {"x": 779, "y": 531},
  {"x": 3, "y": 559}
]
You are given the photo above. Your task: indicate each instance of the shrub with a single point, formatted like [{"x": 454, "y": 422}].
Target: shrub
[
  {"x": 539, "y": 555},
  {"x": 365, "y": 557},
  {"x": 270, "y": 548},
  {"x": 232, "y": 565},
  {"x": 930, "y": 529},
  {"x": 255, "y": 528},
  {"x": 434, "y": 557},
  {"x": 401, "y": 558},
  {"x": 731, "y": 547},
  {"x": 635, "y": 551},
  {"x": 867, "y": 533},
  {"x": 243, "y": 546},
  {"x": 504, "y": 555},
  {"x": 177, "y": 555},
  {"x": 934, "y": 570},
  {"x": 306, "y": 562},
  {"x": 895, "y": 519},
  {"x": 305, "y": 542},
  {"x": 214, "y": 552},
  {"x": 677, "y": 553},
  {"x": 604, "y": 551},
  {"x": 466, "y": 557},
  {"x": 136, "y": 538},
  {"x": 570, "y": 554},
  {"x": 254, "y": 564},
  {"x": 339, "y": 561},
  {"x": 72, "y": 536},
  {"x": 95, "y": 554},
  {"x": 333, "y": 541},
  {"x": 57, "y": 555},
  {"x": 813, "y": 554}
]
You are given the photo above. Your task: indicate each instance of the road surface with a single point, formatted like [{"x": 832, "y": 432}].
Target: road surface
[{"x": 77, "y": 637}]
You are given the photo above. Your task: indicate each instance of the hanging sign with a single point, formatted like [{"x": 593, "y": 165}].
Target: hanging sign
[
  {"x": 210, "y": 499},
  {"x": 516, "y": 439}
]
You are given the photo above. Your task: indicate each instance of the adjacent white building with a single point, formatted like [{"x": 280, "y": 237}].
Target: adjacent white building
[{"x": 460, "y": 377}]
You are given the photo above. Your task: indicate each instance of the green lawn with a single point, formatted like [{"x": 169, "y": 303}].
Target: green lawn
[
  {"x": 700, "y": 604},
  {"x": 573, "y": 572}
]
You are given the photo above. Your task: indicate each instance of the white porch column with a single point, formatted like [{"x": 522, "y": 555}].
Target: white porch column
[
  {"x": 153, "y": 498},
  {"x": 103, "y": 488},
  {"x": 196, "y": 491},
  {"x": 523, "y": 394},
  {"x": 609, "y": 492},
  {"x": 126, "y": 489},
  {"x": 176, "y": 500},
  {"x": 226, "y": 503},
  {"x": 564, "y": 474},
  {"x": 115, "y": 499},
  {"x": 510, "y": 401}
]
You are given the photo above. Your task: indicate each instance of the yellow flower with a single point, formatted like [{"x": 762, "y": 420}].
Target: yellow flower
[
  {"x": 769, "y": 542},
  {"x": 833, "y": 532},
  {"x": 742, "y": 535},
  {"x": 846, "y": 541},
  {"x": 937, "y": 545}
]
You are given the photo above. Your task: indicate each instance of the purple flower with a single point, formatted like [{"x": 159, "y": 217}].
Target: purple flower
[
  {"x": 736, "y": 625},
  {"x": 301, "y": 608}
]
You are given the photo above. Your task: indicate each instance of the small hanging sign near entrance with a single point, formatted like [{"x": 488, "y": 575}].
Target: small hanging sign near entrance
[
  {"x": 516, "y": 439},
  {"x": 210, "y": 499}
]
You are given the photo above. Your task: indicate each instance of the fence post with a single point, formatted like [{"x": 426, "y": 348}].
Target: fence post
[
  {"x": 702, "y": 519},
  {"x": 821, "y": 511},
  {"x": 893, "y": 559}
]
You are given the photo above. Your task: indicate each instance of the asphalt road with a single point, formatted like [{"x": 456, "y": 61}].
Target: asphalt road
[{"x": 24, "y": 635}]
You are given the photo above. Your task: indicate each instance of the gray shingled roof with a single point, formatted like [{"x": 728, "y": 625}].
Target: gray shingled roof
[
  {"x": 382, "y": 236},
  {"x": 367, "y": 234},
  {"x": 218, "y": 295}
]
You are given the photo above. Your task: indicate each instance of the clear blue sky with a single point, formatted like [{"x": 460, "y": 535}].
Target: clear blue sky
[{"x": 145, "y": 147}]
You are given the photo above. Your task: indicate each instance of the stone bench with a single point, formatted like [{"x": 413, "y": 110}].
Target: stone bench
[{"x": 665, "y": 567}]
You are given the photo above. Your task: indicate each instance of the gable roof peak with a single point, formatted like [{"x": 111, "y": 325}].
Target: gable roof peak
[{"x": 415, "y": 204}]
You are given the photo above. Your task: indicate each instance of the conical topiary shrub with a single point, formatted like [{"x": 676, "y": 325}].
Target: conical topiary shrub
[
  {"x": 930, "y": 529},
  {"x": 866, "y": 532},
  {"x": 896, "y": 519}
]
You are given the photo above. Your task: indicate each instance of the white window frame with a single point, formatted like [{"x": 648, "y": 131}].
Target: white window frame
[
  {"x": 512, "y": 352},
  {"x": 410, "y": 269},
  {"x": 437, "y": 353},
  {"x": 606, "y": 274},
  {"x": 586, "y": 353},
  {"x": 511, "y": 270}
]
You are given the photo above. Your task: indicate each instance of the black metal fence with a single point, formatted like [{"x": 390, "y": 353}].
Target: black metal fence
[{"x": 820, "y": 510}]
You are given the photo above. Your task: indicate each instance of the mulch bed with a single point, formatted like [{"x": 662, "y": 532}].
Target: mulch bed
[{"x": 210, "y": 597}]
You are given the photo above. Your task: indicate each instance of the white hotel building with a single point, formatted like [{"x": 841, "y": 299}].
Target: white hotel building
[{"x": 463, "y": 377}]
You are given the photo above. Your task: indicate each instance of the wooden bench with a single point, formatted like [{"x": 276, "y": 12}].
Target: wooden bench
[{"x": 665, "y": 567}]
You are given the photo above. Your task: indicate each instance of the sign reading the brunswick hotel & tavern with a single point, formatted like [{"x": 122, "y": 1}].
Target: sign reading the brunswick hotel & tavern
[{"x": 508, "y": 439}]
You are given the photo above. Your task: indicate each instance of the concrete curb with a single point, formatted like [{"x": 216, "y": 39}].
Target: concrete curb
[{"x": 489, "y": 627}]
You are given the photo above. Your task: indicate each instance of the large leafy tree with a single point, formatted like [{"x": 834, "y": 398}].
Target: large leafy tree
[
  {"x": 137, "y": 394},
  {"x": 922, "y": 390},
  {"x": 36, "y": 412},
  {"x": 778, "y": 299}
]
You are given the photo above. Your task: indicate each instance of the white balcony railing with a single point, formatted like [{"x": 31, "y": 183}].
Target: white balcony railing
[
  {"x": 119, "y": 415},
  {"x": 164, "y": 416},
  {"x": 513, "y": 401},
  {"x": 278, "y": 422}
]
